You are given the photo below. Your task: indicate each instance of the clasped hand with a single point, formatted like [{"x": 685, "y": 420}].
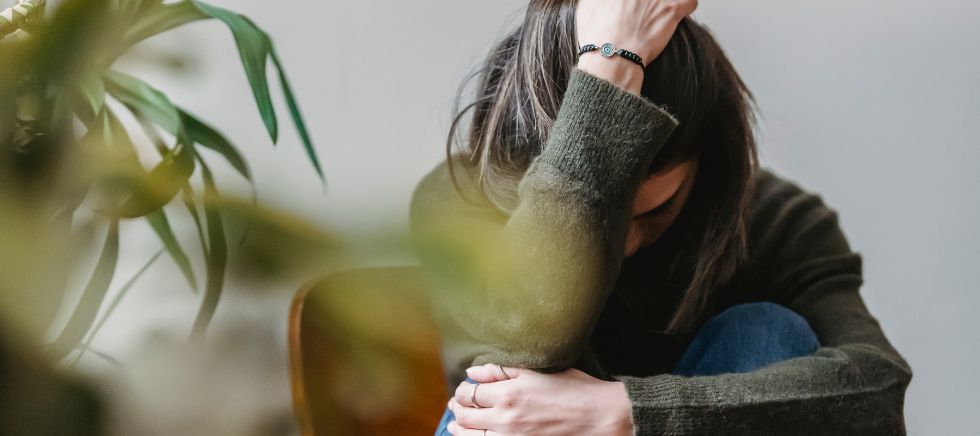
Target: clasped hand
[{"x": 570, "y": 402}]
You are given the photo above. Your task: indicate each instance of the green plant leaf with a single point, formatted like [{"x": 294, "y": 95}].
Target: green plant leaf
[
  {"x": 294, "y": 111},
  {"x": 118, "y": 171},
  {"x": 166, "y": 179},
  {"x": 130, "y": 10},
  {"x": 187, "y": 195},
  {"x": 217, "y": 259},
  {"x": 109, "y": 130},
  {"x": 69, "y": 40},
  {"x": 161, "y": 184},
  {"x": 203, "y": 134},
  {"x": 255, "y": 48},
  {"x": 186, "y": 192},
  {"x": 161, "y": 226},
  {"x": 161, "y": 18},
  {"x": 87, "y": 344},
  {"x": 280, "y": 246},
  {"x": 90, "y": 90},
  {"x": 92, "y": 297},
  {"x": 146, "y": 99},
  {"x": 112, "y": 360}
]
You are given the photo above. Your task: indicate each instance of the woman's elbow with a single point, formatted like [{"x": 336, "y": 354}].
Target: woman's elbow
[{"x": 536, "y": 343}]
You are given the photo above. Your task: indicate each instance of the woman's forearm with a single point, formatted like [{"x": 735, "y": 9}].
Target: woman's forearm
[
  {"x": 539, "y": 278},
  {"x": 527, "y": 290},
  {"x": 615, "y": 70}
]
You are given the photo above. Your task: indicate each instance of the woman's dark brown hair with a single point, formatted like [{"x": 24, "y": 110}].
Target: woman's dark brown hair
[{"x": 521, "y": 87}]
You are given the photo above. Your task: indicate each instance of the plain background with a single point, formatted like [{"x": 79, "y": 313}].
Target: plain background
[{"x": 872, "y": 104}]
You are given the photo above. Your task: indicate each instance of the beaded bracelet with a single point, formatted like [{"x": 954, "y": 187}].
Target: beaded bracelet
[{"x": 608, "y": 50}]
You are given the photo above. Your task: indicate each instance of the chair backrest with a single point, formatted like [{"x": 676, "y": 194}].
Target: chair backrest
[{"x": 364, "y": 355}]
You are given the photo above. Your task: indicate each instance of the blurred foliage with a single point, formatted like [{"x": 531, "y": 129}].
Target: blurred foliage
[
  {"x": 70, "y": 171},
  {"x": 73, "y": 173},
  {"x": 56, "y": 403}
]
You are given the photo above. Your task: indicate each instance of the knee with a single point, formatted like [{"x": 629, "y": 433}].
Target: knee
[
  {"x": 746, "y": 337},
  {"x": 768, "y": 320},
  {"x": 762, "y": 314}
]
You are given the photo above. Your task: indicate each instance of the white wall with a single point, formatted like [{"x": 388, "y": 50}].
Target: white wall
[{"x": 873, "y": 104}]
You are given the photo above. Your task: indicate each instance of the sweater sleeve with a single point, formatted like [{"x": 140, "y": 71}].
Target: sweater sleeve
[
  {"x": 526, "y": 289},
  {"x": 853, "y": 384}
]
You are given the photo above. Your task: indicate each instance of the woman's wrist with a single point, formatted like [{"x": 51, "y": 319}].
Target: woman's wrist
[
  {"x": 616, "y": 70},
  {"x": 620, "y": 409}
]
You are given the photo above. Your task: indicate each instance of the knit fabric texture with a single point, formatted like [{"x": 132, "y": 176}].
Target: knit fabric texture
[{"x": 546, "y": 287}]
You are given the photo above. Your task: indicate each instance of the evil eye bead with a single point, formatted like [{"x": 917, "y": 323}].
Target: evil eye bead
[{"x": 608, "y": 49}]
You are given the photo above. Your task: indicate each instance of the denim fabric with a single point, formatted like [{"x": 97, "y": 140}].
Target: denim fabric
[
  {"x": 740, "y": 339},
  {"x": 448, "y": 416}
]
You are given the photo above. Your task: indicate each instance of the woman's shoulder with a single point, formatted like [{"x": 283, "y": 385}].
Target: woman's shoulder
[
  {"x": 777, "y": 198},
  {"x": 789, "y": 224}
]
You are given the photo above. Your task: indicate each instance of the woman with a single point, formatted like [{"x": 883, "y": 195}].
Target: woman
[{"x": 607, "y": 258}]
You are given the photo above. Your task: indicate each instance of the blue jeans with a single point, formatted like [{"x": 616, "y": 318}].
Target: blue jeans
[{"x": 740, "y": 339}]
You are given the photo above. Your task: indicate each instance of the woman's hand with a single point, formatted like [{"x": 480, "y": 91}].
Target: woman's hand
[
  {"x": 531, "y": 403},
  {"x": 641, "y": 26}
]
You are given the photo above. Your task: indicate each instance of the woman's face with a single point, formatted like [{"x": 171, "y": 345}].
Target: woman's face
[{"x": 658, "y": 201}]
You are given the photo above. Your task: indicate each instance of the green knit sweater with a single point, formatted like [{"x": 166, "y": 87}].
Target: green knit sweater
[{"x": 546, "y": 286}]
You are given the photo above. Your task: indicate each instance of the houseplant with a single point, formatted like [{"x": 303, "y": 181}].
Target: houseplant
[{"x": 68, "y": 165}]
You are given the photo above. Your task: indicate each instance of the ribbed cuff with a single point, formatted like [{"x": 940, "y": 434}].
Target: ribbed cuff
[
  {"x": 653, "y": 401},
  {"x": 605, "y": 136}
]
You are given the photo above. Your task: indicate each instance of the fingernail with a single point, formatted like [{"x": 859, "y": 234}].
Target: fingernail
[{"x": 471, "y": 369}]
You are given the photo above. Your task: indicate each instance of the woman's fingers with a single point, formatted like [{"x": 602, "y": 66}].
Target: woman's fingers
[
  {"x": 484, "y": 374},
  {"x": 492, "y": 372},
  {"x": 499, "y": 394},
  {"x": 467, "y": 394},
  {"x": 458, "y": 430},
  {"x": 641, "y": 26},
  {"x": 470, "y": 417},
  {"x": 684, "y": 8}
]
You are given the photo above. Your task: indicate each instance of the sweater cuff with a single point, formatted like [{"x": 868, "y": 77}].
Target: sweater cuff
[
  {"x": 653, "y": 403},
  {"x": 604, "y": 136}
]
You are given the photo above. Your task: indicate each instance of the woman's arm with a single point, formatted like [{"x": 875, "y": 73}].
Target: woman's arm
[
  {"x": 853, "y": 384},
  {"x": 525, "y": 290}
]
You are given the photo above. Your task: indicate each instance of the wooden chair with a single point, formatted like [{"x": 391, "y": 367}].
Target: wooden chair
[{"x": 364, "y": 355}]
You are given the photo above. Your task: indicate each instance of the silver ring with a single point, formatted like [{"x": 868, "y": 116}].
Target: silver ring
[
  {"x": 484, "y": 432},
  {"x": 501, "y": 368},
  {"x": 473, "y": 396}
]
